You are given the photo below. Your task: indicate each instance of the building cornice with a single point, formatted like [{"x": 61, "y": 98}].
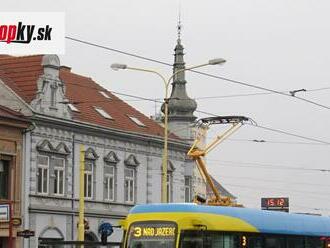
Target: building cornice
[
  {"x": 55, "y": 210},
  {"x": 87, "y": 128}
]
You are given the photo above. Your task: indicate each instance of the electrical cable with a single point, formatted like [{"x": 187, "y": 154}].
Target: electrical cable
[
  {"x": 198, "y": 72},
  {"x": 265, "y": 166},
  {"x": 252, "y": 94},
  {"x": 270, "y": 180},
  {"x": 290, "y": 134}
]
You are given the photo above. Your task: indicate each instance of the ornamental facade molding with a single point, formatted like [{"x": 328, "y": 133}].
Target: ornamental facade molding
[{"x": 131, "y": 161}]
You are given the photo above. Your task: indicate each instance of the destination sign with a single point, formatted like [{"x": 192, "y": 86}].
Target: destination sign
[{"x": 149, "y": 230}]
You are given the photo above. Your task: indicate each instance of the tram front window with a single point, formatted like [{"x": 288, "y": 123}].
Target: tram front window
[{"x": 150, "y": 234}]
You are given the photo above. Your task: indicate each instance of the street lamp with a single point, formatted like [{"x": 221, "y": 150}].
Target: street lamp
[{"x": 117, "y": 67}]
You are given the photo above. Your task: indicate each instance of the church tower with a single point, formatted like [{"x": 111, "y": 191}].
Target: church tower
[
  {"x": 180, "y": 106},
  {"x": 181, "y": 117}
]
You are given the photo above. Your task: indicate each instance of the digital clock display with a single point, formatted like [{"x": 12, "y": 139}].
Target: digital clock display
[{"x": 274, "y": 202}]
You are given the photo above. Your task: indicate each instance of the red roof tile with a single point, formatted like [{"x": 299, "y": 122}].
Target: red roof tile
[{"x": 22, "y": 73}]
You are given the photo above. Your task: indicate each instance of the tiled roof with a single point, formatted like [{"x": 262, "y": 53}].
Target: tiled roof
[{"x": 21, "y": 74}]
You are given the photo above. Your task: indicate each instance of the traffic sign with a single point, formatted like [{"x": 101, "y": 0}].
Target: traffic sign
[{"x": 25, "y": 233}]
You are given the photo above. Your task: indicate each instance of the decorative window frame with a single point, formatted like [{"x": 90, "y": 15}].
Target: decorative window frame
[
  {"x": 61, "y": 151},
  {"x": 110, "y": 185},
  {"x": 110, "y": 160},
  {"x": 91, "y": 157},
  {"x": 46, "y": 146},
  {"x": 91, "y": 154},
  {"x": 43, "y": 167},
  {"x": 131, "y": 163},
  {"x": 131, "y": 160},
  {"x": 90, "y": 173},
  {"x": 58, "y": 168}
]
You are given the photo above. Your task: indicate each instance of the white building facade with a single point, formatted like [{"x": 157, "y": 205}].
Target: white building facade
[{"x": 123, "y": 151}]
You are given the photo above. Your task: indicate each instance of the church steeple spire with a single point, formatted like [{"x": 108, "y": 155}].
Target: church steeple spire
[
  {"x": 180, "y": 107},
  {"x": 179, "y": 26}
]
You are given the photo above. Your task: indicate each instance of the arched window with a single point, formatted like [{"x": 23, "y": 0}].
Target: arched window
[
  {"x": 50, "y": 234},
  {"x": 90, "y": 236}
]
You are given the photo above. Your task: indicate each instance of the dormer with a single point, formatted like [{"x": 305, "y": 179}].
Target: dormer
[{"x": 50, "y": 97}]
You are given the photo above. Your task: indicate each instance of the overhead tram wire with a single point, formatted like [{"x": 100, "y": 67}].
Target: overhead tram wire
[
  {"x": 274, "y": 130},
  {"x": 253, "y": 94},
  {"x": 116, "y": 50},
  {"x": 290, "y": 134},
  {"x": 269, "y": 180},
  {"x": 211, "y": 114},
  {"x": 197, "y": 98},
  {"x": 278, "y": 142},
  {"x": 261, "y": 88},
  {"x": 264, "y": 166},
  {"x": 248, "y": 187},
  {"x": 198, "y": 72}
]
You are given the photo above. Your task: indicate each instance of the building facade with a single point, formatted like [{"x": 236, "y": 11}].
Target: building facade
[
  {"x": 122, "y": 150},
  {"x": 12, "y": 126}
]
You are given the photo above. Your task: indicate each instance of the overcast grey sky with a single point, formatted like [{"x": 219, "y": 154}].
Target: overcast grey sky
[{"x": 281, "y": 45}]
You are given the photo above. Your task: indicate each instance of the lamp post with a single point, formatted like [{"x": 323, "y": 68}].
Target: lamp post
[{"x": 117, "y": 66}]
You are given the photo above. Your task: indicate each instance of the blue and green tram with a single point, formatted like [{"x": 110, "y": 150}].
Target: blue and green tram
[{"x": 200, "y": 226}]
